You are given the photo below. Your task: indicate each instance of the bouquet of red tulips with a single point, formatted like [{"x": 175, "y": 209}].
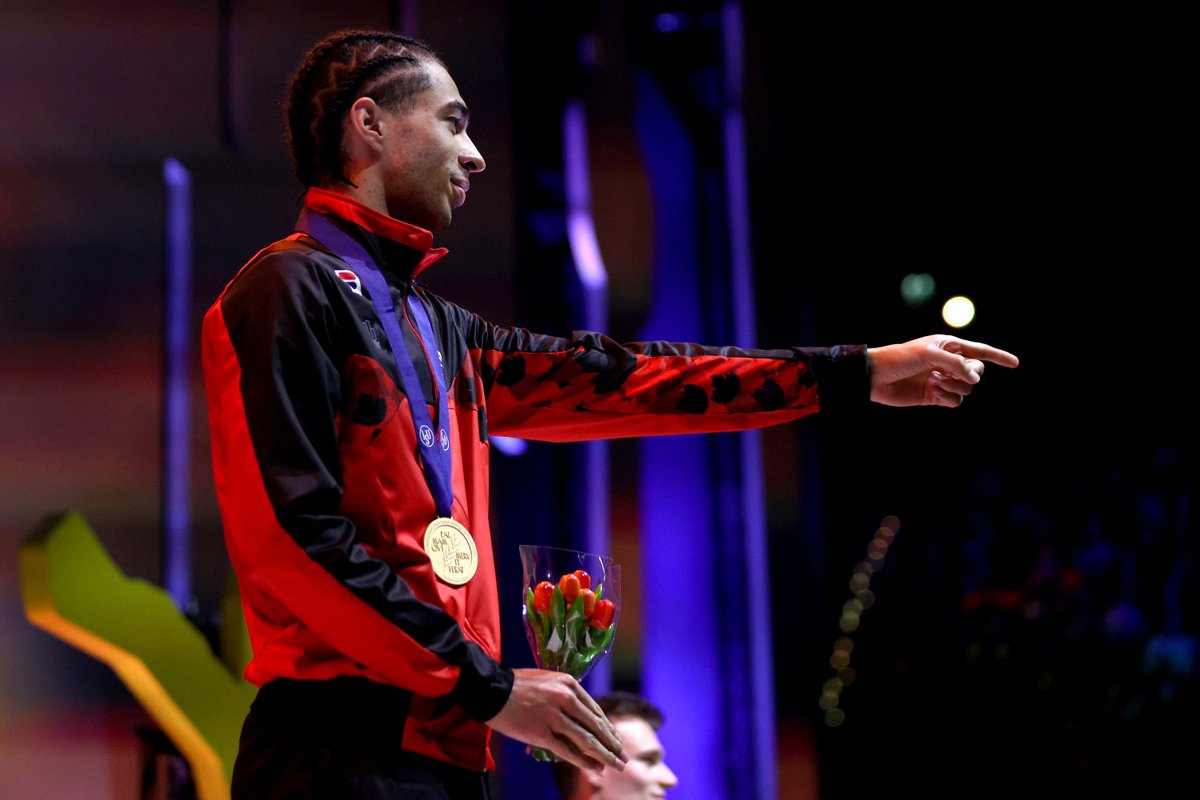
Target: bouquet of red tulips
[{"x": 569, "y": 622}]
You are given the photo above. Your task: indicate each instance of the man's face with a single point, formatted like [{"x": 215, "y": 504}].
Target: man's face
[
  {"x": 429, "y": 156},
  {"x": 646, "y": 774}
]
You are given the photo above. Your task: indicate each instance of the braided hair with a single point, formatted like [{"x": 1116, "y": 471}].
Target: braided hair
[{"x": 336, "y": 71}]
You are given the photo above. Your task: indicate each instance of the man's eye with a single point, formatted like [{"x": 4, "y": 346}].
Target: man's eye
[{"x": 457, "y": 124}]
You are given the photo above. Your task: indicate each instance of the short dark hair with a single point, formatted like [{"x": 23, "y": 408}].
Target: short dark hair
[
  {"x": 622, "y": 705},
  {"x": 335, "y": 72},
  {"x": 616, "y": 705}
]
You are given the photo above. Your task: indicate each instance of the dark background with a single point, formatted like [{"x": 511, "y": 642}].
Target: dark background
[
  {"x": 1038, "y": 160},
  {"x": 1047, "y": 547}
]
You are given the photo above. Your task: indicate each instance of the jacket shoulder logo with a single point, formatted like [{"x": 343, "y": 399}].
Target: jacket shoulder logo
[{"x": 351, "y": 280}]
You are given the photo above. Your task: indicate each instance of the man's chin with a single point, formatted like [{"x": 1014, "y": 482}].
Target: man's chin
[{"x": 442, "y": 219}]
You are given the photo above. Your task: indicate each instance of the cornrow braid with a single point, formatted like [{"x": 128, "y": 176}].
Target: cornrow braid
[{"x": 334, "y": 73}]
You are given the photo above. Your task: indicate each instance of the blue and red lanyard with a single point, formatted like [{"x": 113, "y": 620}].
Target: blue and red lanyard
[{"x": 434, "y": 447}]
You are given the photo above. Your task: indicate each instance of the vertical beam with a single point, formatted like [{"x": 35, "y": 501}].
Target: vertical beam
[
  {"x": 681, "y": 610},
  {"x": 546, "y": 497},
  {"x": 703, "y": 521},
  {"x": 177, "y": 383},
  {"x": 593, "y": 312},
  {"x": 229, "y": 94},
  {"x": 759, "y": 669},
  {"x": 404, "y": 17}
]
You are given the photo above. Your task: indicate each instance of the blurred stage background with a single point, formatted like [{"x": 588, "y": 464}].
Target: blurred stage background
[{"x": 1033, "y": 626}]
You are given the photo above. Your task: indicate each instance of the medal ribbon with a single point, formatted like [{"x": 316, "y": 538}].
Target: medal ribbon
[{"x": 433, "y": 449}]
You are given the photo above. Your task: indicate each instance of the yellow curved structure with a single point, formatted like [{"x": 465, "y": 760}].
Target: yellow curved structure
[{"x": 73, "y": 589}]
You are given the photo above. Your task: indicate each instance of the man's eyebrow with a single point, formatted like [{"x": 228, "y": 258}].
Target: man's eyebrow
[{"x": 460, "y": 107}]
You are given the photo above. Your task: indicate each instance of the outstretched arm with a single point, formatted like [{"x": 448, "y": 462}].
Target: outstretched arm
[{"x": 934, "y": 370}]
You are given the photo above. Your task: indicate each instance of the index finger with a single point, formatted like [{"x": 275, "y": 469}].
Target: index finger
[{"x": 984, "y": 352}]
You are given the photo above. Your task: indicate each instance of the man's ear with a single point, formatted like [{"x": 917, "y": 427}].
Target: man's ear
[
  {"x": 363, "y": 122},
  {"x": 594, "y": 779}
]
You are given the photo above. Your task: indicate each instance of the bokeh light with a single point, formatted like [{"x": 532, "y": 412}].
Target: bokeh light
[
  {"x": 916, "y": 289},
  {"x": 850, "y": 618},
  {"x": 958, "y": 312}
]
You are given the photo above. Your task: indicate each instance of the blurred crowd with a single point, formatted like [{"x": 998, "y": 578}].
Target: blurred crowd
[{"x": 1044, "y": 641}]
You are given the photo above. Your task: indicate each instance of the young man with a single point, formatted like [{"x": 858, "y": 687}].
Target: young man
[
  {"x": 646, "y": 775},
  {"x": 357, "y": 520}
]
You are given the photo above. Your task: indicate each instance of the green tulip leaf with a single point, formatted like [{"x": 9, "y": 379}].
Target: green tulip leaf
[{"x": 537, "y": 620}]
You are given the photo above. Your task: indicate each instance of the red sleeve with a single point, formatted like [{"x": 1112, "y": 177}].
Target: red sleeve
[{"x": 591, "y": 387}]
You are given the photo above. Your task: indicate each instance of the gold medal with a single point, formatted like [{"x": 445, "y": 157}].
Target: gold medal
[{"x": 451, "y": 550}]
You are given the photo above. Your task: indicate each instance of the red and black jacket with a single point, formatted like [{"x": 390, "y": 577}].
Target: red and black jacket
[{"x": 324, "y": 503}]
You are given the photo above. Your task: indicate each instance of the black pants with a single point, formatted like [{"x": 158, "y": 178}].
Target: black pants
[{"x": 339, "y": 740}]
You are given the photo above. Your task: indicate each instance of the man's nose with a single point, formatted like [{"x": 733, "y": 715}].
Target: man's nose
[{"x": 471, "y": 159}]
